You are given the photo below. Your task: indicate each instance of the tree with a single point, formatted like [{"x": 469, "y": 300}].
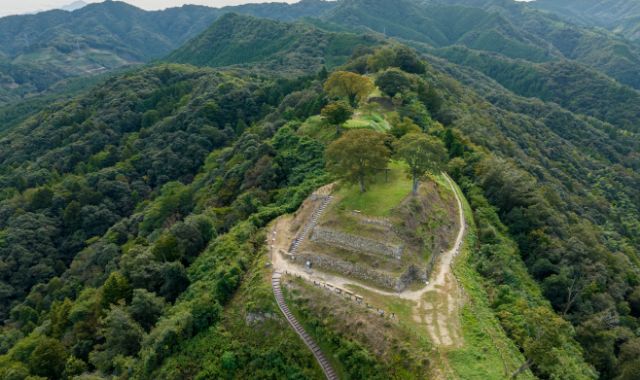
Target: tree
[
  {"x": 423, "y": 154},
  {"x": 407, "y": 60},
  {"x": 357, "y": 155},
  {"x": 116, "y": 288},
  {"x": 146, "y": 308},
  {"x": 41, "y": 198},
  {"x": 393, "y": 81},
  {"x": 48, "y": 358},
  {"x": 401, "y": 126},
  {"x": 401, "y": 57},
  {"x": 337, "y": 113},
  {"x": 74, "y": 367},
  {"x": 634, "y": 301},
  {"x": 167, "y": 248},
  {"x": 345, "y": 84},
  {"x": 122, "y": 336},
  {"x": 545, "y": 339},
  {"x": 629, "y": 363},
  {"x": 381, "y": 59},
  {"x": 60, "y": 316}
]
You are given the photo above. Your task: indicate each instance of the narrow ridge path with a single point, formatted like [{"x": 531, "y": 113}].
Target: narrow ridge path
[{"x": 297, "y": 327}]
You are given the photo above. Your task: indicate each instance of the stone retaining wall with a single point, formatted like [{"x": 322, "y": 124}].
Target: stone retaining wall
[
  {"x": 355, "y": 243},
  {"x": 348, "y": 269},
  {"x": 361, "y": 272},
  {"x": 373, "y": 221}
]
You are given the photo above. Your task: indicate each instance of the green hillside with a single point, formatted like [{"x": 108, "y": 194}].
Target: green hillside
[
  {"x": 143, "y": 213},
  {"x": 273, "y": 45},
  {"x": 569, "y": 84},
  {"x": 440, "y": 26},
  {"x": 37, "y": 51}
]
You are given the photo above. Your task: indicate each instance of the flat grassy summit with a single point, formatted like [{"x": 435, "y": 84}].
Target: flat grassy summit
[{"x": 385, "y": 236}]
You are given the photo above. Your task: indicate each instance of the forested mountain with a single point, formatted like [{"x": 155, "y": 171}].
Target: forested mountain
[
  {"x": 41, "y": 49},
  {"x": 77, "y": 39},
  {"x": 574, "y": 86},
  {"x": 506, "y": 27},
  {"x": 37, "y": 51},
  {"x": 619, "y": 16},
  {"x": 270, "y": 45},
  {"x": 134, "y": 210}
]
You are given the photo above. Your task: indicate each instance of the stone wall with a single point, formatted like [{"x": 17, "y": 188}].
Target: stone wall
[
  {"x": 381, "y": 222},
  {"x": 361, "y": 272},
  {"x": 355, "y": 243},
  {"x": 347, "y": 269}
]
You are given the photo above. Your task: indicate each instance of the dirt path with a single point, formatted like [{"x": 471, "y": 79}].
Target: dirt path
[{"x": 436, "y": 305}]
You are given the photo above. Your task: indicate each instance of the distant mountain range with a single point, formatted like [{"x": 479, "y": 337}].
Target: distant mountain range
[
  {"x": 37, "y": 51},
  {"x": 74, "y": 6},
  {"x": 619, "y": 16}
]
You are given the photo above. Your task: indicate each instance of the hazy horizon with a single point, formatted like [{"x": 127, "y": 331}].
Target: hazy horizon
[{"x": 35, "y": 6}]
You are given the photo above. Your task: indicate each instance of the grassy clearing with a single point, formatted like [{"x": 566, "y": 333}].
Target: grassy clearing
[
  {"x": 381, "y": 197},
  {"x": 312, "y": 328},
  {"x": 402, "y": 308},
  {"x": 372, "y": 120}
]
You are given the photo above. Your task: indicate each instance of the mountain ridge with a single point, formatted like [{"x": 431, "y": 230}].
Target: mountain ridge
[
  {"x": 236, "y": 39},
  {"x": 136, "y": 216}
]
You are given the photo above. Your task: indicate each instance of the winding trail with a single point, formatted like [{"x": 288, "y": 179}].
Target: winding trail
[
  {"x": 297, "y": 327},
  {"x": 436, "y": 305}
]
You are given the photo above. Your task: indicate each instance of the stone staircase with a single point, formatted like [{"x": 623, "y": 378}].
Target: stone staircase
[
  {"x": 311, "y": 223},
  {"x": 297, "y": 327}
]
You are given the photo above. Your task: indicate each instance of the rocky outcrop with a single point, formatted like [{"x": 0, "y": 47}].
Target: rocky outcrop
[{"x": 323, "y": 235}]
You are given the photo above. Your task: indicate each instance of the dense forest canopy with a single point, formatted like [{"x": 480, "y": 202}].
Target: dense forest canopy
[{"x": 133, "y": 206}]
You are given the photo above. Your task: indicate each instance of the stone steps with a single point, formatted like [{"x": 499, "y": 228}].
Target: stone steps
[
  {"x": 297, "y": 327},
  {"x": 313, "y": 221}
]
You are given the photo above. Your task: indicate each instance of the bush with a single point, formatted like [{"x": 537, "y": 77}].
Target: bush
[{"x": 393, "y": 81}]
